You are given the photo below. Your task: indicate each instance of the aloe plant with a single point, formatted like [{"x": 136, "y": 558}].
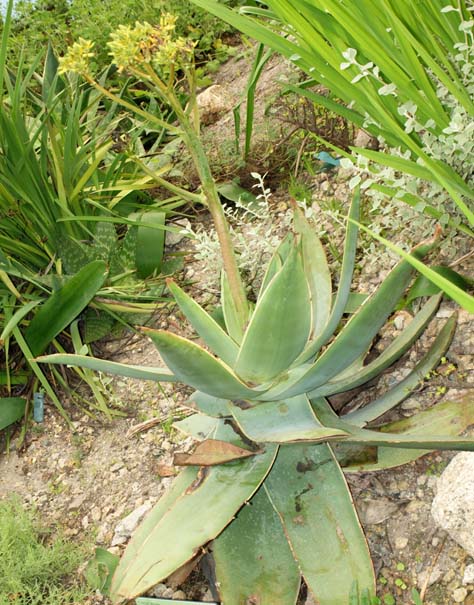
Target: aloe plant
[{"x": 265, "y": 487}]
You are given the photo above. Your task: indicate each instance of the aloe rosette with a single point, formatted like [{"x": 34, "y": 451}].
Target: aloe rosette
[{"x": 265, "y": 487}]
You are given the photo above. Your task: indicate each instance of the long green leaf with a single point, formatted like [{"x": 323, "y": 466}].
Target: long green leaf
[
  {"x": 64, "y": 305},
  {"x": 291, "y": 420},
  {"x": 253, "y": 560},
  {"x": 448, "y": 418},
  {"x": 394, "y": 351},
  {"x": 453, "y": 291},
  {"x": 110, "y": 367},
  {"x": 194, "y": 366},
  {"x": 308, "y": 490},
  {"x": 357, "y": 335},
  {"x": 196, "y": 509},
  {"x": 317, "y": 273},
  {"x": 150, "y": 244},
  {"x": 279, "y": 327},
  {"x": 405, "y": 387},
  {"x": 207, "y": 328}
]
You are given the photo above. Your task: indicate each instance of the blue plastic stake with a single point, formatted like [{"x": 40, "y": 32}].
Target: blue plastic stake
[{"x": 38, "y": 407}]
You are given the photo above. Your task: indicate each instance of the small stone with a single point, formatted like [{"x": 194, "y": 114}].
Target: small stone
[
  {"x": 377, "y": 511},
  {"x": 85, "y": 522},
  {"x": 168, "y": 593},
  {"x": 179, "y": 595},
  {"x": 77, "y": 502},
  {"x": 116, "y": 467},
  {"x": 468, "y": 577},
  {"x": 127, "y": 526},
  {"x": 411, "y": 404},
  {"x": 459, "y": 595},
  {"x": 401, "y": 542},
  {"x": 158, "y": 590}
]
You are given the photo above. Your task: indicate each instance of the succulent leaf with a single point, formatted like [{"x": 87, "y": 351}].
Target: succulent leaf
[
  {"x": 194, "y": 366},
  {"x": 285, "y": 421},
  {"x": 308, "y": 490},
  {"x": 207, "y": 328},
  {"x": 235, "y": 327},
  {"x": 253, "y": 559},
  {"x": 199, "y": 505},
  {"x": 345, "y": 281},
  {"x": 448, "y": 418},
  {"x": 359, "y": 332},
  {"x": 280, "y": 325},
  {"x": 317, "y": 273},
  {"x": 346, "y": 381},
  {"x": 402, "y": 390},
  {"x": 111, "y": 367}
]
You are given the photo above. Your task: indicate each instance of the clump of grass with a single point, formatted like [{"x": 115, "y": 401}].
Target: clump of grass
[{"x": 36, "y": 567}]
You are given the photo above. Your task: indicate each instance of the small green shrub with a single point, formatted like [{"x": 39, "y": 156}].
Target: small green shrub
[{"x": 36, "y": 567}]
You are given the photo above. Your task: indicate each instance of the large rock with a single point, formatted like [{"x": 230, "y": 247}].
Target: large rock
[{"x": 453, "y": 505}]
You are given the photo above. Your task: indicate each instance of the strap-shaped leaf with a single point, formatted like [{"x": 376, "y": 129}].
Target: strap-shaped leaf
[
  {"x": 359, "y": 332},
  {"x": 64, "y": 305},
  {"x": 280, "y": 325},
  {"x": 283, "y": 422},
  {"x": 308, "y": 490},
  {"x": 394, "y": 351},
  {"x": 194, "y": 366},
  {"x": 345, "y": 280},
  {"x": 277, "y": 260},
  {"x": 410, "y": 441},
  {"x": 404, "y": 388},
  {"x": 448, "y": 418},
  {"x": 207, "y": 328},
  {"x": 196, "y": 509},
  {"x": 110, "y": 367},
  {"x": 317, "y": 273},
  {"x": 253, "y": 560},
  {"x": 234, "y": 325}
]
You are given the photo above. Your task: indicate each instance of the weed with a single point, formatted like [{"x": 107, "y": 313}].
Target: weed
[{"x": 36, "y": 567}]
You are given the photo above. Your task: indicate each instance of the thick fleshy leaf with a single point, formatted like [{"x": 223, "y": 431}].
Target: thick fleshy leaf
[
  {"x": 356, "y": 336},
  {"x": 12, "y": 409},
  {"x": 64, "y": 305},
  {"x": 235, "y": 326},
  {"x": 448, "y": 418},
  {"x": 198, "y": 426},
  {"x": 308, "y": 490},
  {"x": 403, "y": 389},
  {"x": 207, "y": 404},
  {"x": 416, "y": 441},
  {"x": 286, "y": 421},
  {"x": 196, "y": 509},
  {"x": 277, "y": 260},
  {"x": 254, "y": 563},
  {"x": 207, "y": 328},
  {"x": 211, "y": 452},
  {"x": 280, "y": 325},
  {"x": 317, "y": 273},
  {"x": 343, "y": 291},
  {"x": 194, "y": 366},
  {"x": 393, "y": 351},
  {"x": 110, "y": 367}
]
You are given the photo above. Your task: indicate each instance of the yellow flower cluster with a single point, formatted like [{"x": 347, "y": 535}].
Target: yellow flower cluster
[
  {"x": 77, "y": 59},
  {"x": 144, "y": 43}
]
